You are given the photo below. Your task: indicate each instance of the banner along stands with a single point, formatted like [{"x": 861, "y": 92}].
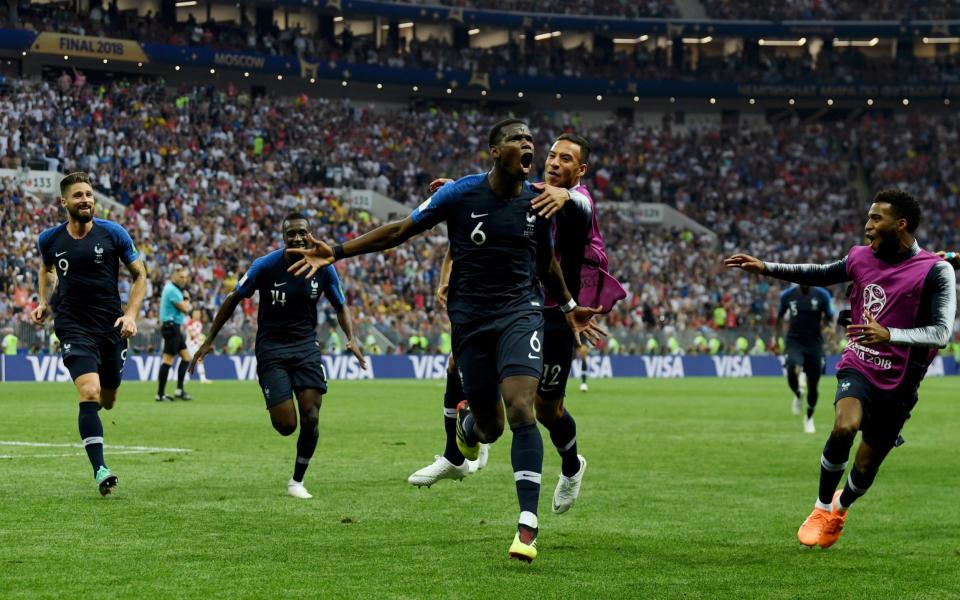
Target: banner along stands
[
  {"x": 89, "y": 47},
  {"x": 345, "y": 367}
]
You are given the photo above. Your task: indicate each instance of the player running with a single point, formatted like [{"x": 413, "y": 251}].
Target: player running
[
  {"x": 811, "y": 309},
  {"x": 580, "y": 251},
  {"x": 499, "y": 248},
  {"x": 903, "y": 304},
  {"x": 289, "y": 362},
  {"x": 82, "y": 259}
]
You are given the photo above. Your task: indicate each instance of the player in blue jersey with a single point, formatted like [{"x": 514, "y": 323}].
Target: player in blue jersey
[
  {"x": 81, "y": 259},
  {"x": 499, "y": 248},
  {"x": 174, "y": 308},
  {"x": 810, "y": 309},
  {"x": 578, "y": 245},
  {"x": 288, "y": 356}
]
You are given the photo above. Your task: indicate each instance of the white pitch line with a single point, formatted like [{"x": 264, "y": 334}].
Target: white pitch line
[{"x": 114, "y": 449}]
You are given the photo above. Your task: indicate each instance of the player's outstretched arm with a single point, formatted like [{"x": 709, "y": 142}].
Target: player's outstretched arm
[
  {"x": 47, "y": 281},
  {"x": 384, "y": 237},
  {"x": 128, "y": 322},
  {"x": 803, "y": 274},
  {"x": 223, "y": 315},
  {"x": 345, "y": 320},
  {"x": 744, "y": 261}
]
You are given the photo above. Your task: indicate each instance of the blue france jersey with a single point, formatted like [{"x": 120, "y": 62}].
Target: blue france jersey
[
  {"x": 87, "y": 298},
  {"x": 807, "y": 313},
  {"x": 495, "y": 245},
  {"x": 287, "y": 318}
]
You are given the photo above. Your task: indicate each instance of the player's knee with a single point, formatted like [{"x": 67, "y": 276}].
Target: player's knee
[
  {"x": 89, "y": 392},
  {"x": 548, "y": 410},
  {"x": 284, "y": 427},
  {"x": 520, "y": 413},
  {"x": 309, "y": 421},
  {"x": 844, "y": 429}
]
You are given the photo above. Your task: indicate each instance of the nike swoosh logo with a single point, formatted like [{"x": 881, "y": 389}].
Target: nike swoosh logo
[
  {"x": 533, "y": 356},
  {"x": 60, "y": 253},
  {"x": 279, "y": 284},
  {"x": 476, "y": 216}
]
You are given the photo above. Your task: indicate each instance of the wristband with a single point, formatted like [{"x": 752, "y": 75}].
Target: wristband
[
  {"x": 569, "y": 306},
  {"x": 338, "y": 252}
]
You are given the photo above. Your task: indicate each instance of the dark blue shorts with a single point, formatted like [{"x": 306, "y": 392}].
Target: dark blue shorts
[
  {"x": 558, "y": 349},
  {"x": 282, "y": 375},
  {"x": 884, "y": 411},
  {"x": 487, "y": 352},
  {"x": 808, "y": 356},
  {"x": 103, "y": 354}
]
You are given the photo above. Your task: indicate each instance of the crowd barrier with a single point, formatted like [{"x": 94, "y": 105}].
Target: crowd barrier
[{"x": 244, "y": 367}]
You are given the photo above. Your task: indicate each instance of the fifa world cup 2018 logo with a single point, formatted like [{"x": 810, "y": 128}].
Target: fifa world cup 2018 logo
[{"x": 874, "y": 299}]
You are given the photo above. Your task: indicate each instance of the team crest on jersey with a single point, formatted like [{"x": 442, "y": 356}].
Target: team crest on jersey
[
  {"x": 814, "y": 303},
  {"x": 531, "y": 228},
  {"x": 314, "y": 289},
  {"x": 874, "y": 299},
  {"x": 98, "y": 254},
  {"x": 66, "y": 348}
]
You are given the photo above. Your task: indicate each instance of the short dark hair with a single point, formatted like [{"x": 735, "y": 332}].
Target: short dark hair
[
  {"x": 496, "y": 132},
  {"x": 73, "y": 178},
  {"x": 904, "y": 206},
  {"x": 293, "y": 216},
  {"x": 580, "y": 141}
]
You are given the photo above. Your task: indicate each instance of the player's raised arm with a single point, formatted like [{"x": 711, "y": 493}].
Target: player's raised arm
[{"x": 803, "y": 274}]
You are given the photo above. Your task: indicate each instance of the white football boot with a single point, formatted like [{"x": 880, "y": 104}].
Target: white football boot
[
  {"x": 296, "y": 489},
  {"x": 568, "y": 488},
  {"x": 440, "y": 468}
]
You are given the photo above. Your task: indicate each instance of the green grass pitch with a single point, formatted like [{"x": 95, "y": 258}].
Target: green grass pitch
[{"x": 695, "y": 489}]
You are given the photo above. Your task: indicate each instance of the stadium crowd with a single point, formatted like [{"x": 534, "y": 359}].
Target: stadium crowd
[
  {"x": 842, "y": 10},
  {"x": 549, "y": 58},
  {"x": 205, "y": 176}
]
